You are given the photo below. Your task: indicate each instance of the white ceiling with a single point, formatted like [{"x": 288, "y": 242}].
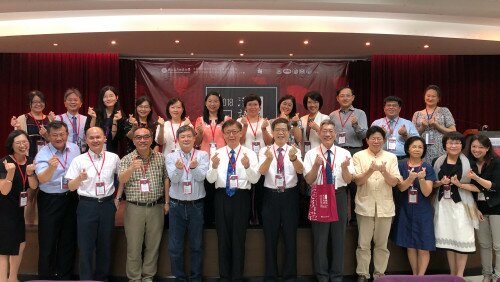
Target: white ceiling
[{"x": 270, "y": 29}]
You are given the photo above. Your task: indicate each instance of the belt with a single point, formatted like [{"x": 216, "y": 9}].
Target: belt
[
  {"x": 273, "y": 190},
  {"x": 63, "y": 194},
  {"x": 349, "y": 147},
  {"x": 99, "y": 200},
  {"x": 184, "y": 202},
  {"x": 150, "y": 204}
]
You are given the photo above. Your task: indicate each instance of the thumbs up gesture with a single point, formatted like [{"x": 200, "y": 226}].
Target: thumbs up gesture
[
  {"x": 15, "y": 123},
  {"x": 83, "y": 175},
  {"x": 245, "y": 161},
  {"x": 132, "y": 120},
  {"x": 9, "y": 167},
  {"x": 422, "y": 174},
  {"x": 91, "y": 112},
  {"x": 402, "y": 130},
  {"x": 292, "y": 154},
  {"x": 30, "y": 169}
]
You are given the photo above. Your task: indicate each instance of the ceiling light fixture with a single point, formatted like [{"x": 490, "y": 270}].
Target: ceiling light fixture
[
  {"x": 113, "y": 42},
  {"x": 177, "y": 41},
  {"x": 306, "y": 42},
  {"x": 368, "y": 44},
  {"x": 241, "y": 54},
  {"x": 291, "y": 54},
  {"x": 55, "y": 44},
  {"x": 241, "y": 41},
  {"x": 426, "y": 46},
  {"x": 192, "y": 54}
]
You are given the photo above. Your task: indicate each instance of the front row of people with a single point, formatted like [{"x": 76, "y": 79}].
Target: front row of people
[{"x": 154, "y": 186}]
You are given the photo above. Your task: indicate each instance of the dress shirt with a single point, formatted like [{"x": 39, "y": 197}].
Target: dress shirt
[
  {"x": 338, "y": 158},
  {"x": 313, "y": 135},
  {"x": 245, "y": 176},
  {"x": 168, "y": 137},
  {"x": 249, "y": 137},
  {"x": 289, "y": 170},
  {"x": 375, "y": 196},
  {"x": 110, "y": 167},
  {"x": 354, "y": 135},
  {"x": 196, "y": 175},
  {"x": 400, "y": 141},
  {"x": 53, "y": 186},
  {"x": 156, "y": 173},
  {"x": 80, "y": 124}
]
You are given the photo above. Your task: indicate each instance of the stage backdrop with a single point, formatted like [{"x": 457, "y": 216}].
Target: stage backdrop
[{"x": 191, "y": 80}]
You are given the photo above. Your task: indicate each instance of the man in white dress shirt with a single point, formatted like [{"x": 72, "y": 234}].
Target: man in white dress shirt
[
  {"x": 335, "y": 166},
  {"x": 233, "y": 168},
  {"x": 92, "y": 175},
  {"x": 280, "y": 163}
]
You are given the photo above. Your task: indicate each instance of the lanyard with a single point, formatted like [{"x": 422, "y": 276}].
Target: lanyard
[
  {"x": 256, "y": 128},
  {"x": 388, "y": 126},
  {"x": 146, "y": 166},
  {"x": 326, "y": 160},
  {"x": 39, "y": 125},
  {"x": 173, "y": 134},
  {"x": 233, "y": 165},
  {"x": 65, "y": 160},
  {"x": 102, "y": 165},
  {"x": 23, "y": 175},
  {"x": 344, "y": 123},
  {"x": 284, "y": 154},
  {"x": 75, "y": 130},
  {"x": 186, "y": 169},
  {"x": 212, "y": 129},
  {"x": 430, "y": 117}
]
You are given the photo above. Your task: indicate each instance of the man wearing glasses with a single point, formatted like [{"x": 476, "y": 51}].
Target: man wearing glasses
[
  {"x": 144, "y": 174},
  {"x": 56, "y": 205},
  {"x": 233, "y": 168}
]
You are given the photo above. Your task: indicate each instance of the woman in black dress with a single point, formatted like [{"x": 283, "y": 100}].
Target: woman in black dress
[{"x": 16, "y": 176}]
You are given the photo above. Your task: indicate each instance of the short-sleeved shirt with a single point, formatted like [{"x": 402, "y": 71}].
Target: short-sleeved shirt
[
  {"x": 254, "y": 133},
  {"x": 313, "y": 135},
  {"x": 169, "y": 136},
  {"x": 106, "y": 163},
  {"x": 354, "y": 135},
  {"x": 156, "y": 173},
  {"x": 211, "y": 133},
  {"x": 392, "y": 132},
  {"x": 66, "y": 156},
  {"x": 338, "y": 155},
  {"x": 374, "y": 198}
]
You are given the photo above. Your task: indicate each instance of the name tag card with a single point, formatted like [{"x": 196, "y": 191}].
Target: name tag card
[
  {"x": 256, "y": 146},
  {"x": 307, "y": 146},
  {"x": 64, "y": 183},
  {"x": 23, "y": 199},
  {"x": 391, "y": 144},
  {"x": 100, "y": 188},
  {"x": 447, "y": 191},
  {"x": 233, "y": 181},
  {"x": 213, "y": 148},
  {"x": 187, "y": 187},
  {"x": 144, "y": 185},
  {"x": 412, "y": 195},
  {"x": 429, "y": 138},
  {"x": 481, "y": 197},
  {"x": 342, "y": 138},
  {"x": 280, "y": 182}
]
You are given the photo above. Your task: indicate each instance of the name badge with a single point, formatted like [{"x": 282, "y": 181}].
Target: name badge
[
  {"x": 100, "y": 188},
  {"x": 174, "y": 149},
  {"x": 391, "y": 144},
  {"x": 187, "y": 187},
  {"x": 39, "y": 145},
  {"x": 307, "y": 146},
  {"x": 23, "y": 199},
  {"x": 213, "y": 148},
  {"x": 82, "y": 146},
  {"x": 64, "y": 183},
  {"x": 256, "y": 146},
  {"x": 481, "y": 197},
  {"x": 412, "y": 196},
  {"x": 144, "y": 185},
  {"x": 341, "y": 138},
  {"x": 104, "y": 147},
  {"x": 233, "y": 181},
  {"x": 447, "y": 191},
  {"x": 429, "y": 138},
  {"x": 279, "y": 180}
]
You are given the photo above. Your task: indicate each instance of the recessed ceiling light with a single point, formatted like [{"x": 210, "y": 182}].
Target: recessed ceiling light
[
  {"x": 306, "y": 42},
  {"x": 368, "y": 44},
  {"x": 192, "y": 54},
  {"x": 113, "y": 42},
  {"x": 426, "y": 46},
  {"x": 241, "y": 41},
  {"x": 241, "y": 54},
  {"x": 291, "y": 54},
  {"x": 55, "y": 44},
  {"x": 177, "y": 41}
]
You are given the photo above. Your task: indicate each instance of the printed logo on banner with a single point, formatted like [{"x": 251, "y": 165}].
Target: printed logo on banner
[
  {"x": 259, "y": 71},
  {"x": 287, "y": 71},
  {"x": 278, "y": 71}
]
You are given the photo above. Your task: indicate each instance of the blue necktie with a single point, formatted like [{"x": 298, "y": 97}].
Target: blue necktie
[
  {"x": 230, "y": 192},
  {"x": 328, "y": 168},
  {"x": 75, "y": 130}
]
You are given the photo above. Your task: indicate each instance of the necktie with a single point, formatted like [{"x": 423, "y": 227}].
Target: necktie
[
  {"x": 328, "y": 168},
  {"x": 75, "y": 129},
  {"x": 232, "y": 161},
  {"x": 280, "y": 162}
]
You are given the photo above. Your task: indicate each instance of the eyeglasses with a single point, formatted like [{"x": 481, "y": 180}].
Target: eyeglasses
[
  {"x": 454, "y": 143},
  {"x": 56, "y": 135},
  {"x": 231, "y": 132},
  {"x": 142, "y": 137},
  {"x": 375, "y": 139},
  {"x": 19, "y": 143},
  {"x": 281, "y": 130}
]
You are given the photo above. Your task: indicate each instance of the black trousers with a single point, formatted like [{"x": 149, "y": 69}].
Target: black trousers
[
  {"x": 231, "y": 221},
  {"x": 56, "y": 235},
  {"x": 280, "y": 210},
  {"x": 335, "y": 231},
  {"x": 96, "y": 222}
]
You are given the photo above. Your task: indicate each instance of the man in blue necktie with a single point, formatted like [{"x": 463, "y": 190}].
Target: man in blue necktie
[{"x": 233, "y": 168}]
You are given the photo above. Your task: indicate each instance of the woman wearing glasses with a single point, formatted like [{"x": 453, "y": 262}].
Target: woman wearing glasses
[
  {"x": 17, "y": 175},
  {"x": 455, "y": 211},
  {"x": 142, "y": 117}
]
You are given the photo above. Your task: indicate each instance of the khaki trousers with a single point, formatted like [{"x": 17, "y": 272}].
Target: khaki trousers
[
  {"x": 143, "y": 225},
  {"x": 376, "y": 228},
  {"x": 489, "y": 241}
]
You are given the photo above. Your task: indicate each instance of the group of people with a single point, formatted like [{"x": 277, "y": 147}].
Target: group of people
[{"x": 416, "y": 182}]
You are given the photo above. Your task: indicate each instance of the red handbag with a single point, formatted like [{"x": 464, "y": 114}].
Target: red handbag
[{"x": 323, "y": 205}]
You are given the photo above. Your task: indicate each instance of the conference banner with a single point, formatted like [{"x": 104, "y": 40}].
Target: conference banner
[{"x": 191, "y": 80}]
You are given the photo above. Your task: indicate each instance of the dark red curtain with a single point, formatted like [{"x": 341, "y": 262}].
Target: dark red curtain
[
  {"x": 359, "y": 79},
  {"x": 469, "y": 86},
  {"x": 52, "y": 74}
]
